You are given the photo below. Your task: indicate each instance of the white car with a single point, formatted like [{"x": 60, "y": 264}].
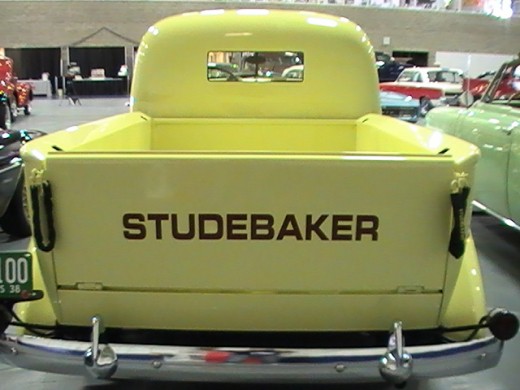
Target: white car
[
  {"x": 448, "y": 79},
  {"x": 429, "y": 85}
]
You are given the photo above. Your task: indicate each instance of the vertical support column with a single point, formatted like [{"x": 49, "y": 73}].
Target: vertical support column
[
  {"x": 130, "y": 62},
  {"x": 64, "y": 59},
  {"x": 64, "y": 62}
]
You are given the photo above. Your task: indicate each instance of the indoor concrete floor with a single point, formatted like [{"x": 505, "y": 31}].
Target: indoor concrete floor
[{"x": 498, "y": 247}]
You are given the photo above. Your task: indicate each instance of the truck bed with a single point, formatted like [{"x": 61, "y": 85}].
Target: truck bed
[
  {"x": 196, "y": 221},
  {"x": 137, "y": 132}
]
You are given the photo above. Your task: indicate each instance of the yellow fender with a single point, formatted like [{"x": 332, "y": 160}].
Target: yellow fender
[{"x": 465, "y": 303}]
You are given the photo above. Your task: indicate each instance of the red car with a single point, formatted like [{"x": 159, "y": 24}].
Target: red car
[
  {"x": 477, "y": 86},
  {"x": 19, "y": 95}
]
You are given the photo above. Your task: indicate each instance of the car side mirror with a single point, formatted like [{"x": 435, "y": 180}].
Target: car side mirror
[{"x": 466, "y": 99}]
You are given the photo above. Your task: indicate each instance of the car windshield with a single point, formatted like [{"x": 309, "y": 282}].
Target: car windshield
[
  {"x": 444, "y": 76},
  {"x": 506, "y": 88},
  {"x": 407, "y": 76}
]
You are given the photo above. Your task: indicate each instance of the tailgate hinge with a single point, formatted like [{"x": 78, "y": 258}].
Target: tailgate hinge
[{"x": 410, "y": 289}]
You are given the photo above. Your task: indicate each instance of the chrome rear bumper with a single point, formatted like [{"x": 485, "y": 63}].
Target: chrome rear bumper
[{"x": 122, "y": 361}]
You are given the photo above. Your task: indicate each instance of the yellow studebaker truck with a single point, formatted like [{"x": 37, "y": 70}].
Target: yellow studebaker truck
[{"x": 238, "y": 216}]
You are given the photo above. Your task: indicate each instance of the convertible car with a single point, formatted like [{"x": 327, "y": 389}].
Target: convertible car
[
  {"x": 493, "y": 124},
  {"x": 477, "y": 86}
]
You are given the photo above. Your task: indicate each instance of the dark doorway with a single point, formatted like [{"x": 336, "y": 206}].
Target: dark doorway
[
  {"x": 108, "y": 58},
  {"x": 31, "y": 63},
  {"x": 416, "y": 58}
]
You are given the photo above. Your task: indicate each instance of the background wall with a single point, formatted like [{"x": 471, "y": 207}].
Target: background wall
[
  {"x": 122, "y": 23},
  {"x": 473, "y": 64}
]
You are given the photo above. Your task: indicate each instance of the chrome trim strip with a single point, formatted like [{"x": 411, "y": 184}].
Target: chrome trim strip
[
  {"x": 506, "y": 221},
  {"x": 249, "y": 364}
]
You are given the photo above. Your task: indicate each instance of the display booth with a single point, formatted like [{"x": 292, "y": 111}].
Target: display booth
[{"x": 99, "y": 71}]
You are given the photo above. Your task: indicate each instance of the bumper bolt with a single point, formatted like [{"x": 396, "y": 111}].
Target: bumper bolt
[
  {"x": 157, "y": 364},
  {"x": 340, "y": 367}
]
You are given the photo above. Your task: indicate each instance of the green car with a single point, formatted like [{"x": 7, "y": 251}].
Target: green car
[{"x": 493, "y": 124}]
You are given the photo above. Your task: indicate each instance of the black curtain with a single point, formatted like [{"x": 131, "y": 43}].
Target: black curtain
[
  {"x": 108, "y": 58},
  {"x": 31, "y": 63}
]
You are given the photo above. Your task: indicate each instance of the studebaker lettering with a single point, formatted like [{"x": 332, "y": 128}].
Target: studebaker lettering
[{"x": 341, "y": 227}]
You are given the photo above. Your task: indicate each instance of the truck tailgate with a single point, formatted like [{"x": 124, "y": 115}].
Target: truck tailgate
[{"x": 244, "y": 223}]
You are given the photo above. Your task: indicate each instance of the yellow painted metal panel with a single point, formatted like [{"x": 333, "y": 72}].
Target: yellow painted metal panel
[
  {"x": 130, "y": 131},
  {"x": 262, "y": 135},
  {"x": 250, "y": 311},
  {"x": 464, "y": 298},
  {"x": 408, "y": 247}
]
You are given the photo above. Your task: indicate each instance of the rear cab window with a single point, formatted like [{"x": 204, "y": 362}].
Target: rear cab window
[{"x": 255, "y": 66}]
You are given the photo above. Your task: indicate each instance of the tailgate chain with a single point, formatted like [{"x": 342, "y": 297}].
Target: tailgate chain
[
  {"x": 459, "y": 198},
  {"x": 46, "y": 194}
]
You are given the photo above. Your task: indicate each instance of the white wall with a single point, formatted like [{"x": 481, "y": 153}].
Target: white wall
[{"x": 472, "y": 64}]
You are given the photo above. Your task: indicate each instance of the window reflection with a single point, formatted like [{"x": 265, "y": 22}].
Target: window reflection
[{"x": 251, "y": 66}]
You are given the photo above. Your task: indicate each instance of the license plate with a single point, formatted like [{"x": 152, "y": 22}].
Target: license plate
[{"x": 16, "y": 277}]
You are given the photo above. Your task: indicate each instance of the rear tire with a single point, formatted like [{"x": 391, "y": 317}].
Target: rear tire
[
  {"x": 5, "y": 117},
  {"x": 14, "y": 221}
]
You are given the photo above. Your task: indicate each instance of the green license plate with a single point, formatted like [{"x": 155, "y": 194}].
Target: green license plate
[{"x": 16, "y": 277}]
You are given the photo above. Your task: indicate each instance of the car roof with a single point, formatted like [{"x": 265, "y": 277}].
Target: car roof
[{"x": 433, "y": 69}]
